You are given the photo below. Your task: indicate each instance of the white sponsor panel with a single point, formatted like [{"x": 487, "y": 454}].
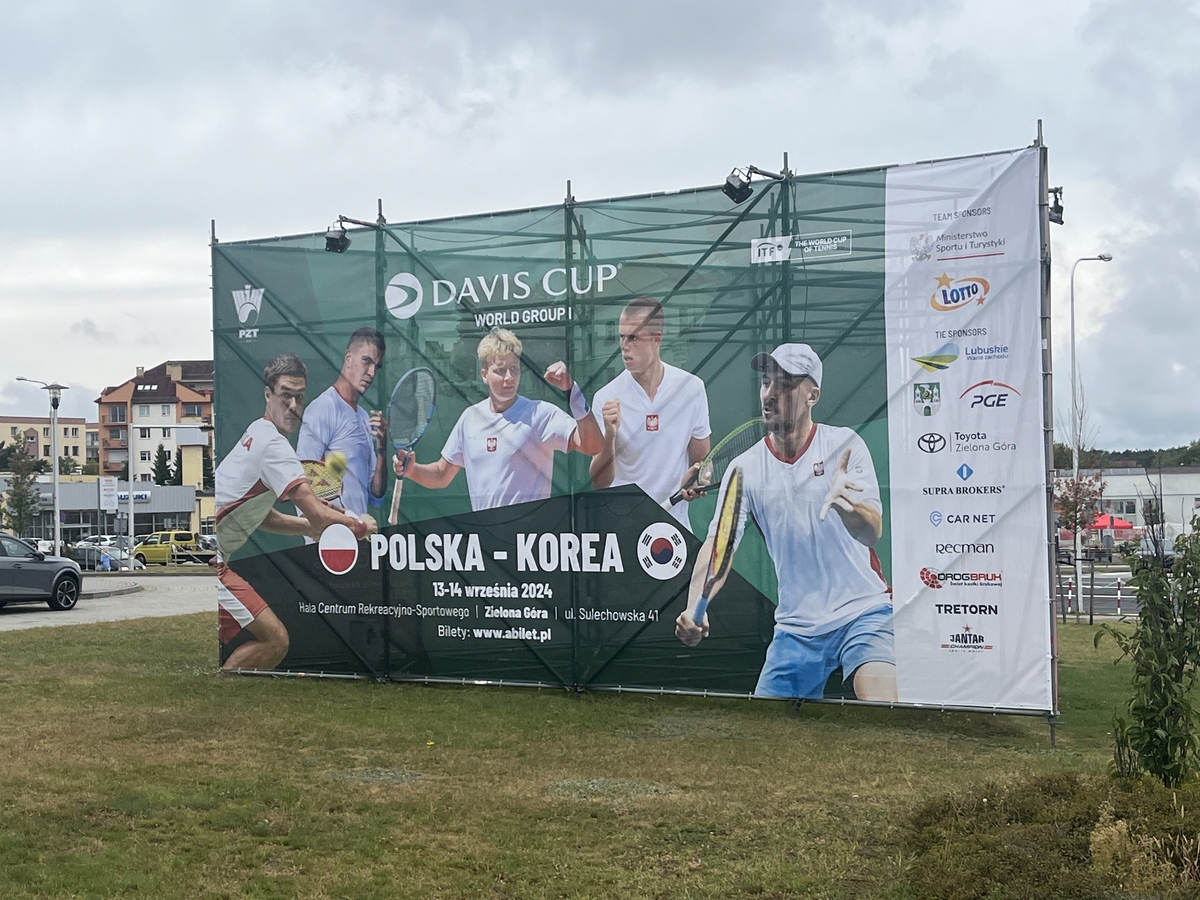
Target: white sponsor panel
[{"x": 962, "y": 307}]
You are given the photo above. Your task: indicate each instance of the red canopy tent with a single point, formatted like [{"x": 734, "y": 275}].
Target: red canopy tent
[{"x": 1108, "y": 521}]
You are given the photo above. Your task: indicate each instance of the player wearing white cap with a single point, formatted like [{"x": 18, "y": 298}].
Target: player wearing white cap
[
  {"x": 262, "y": 468},
  {"x": 507, "y": 442},
  {"x": 654, "y": 415},
  {"x": 834, "y": 606}
]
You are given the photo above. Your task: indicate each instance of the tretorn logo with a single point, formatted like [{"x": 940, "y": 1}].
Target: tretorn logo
[
  {"x": 927, "y": 397},
  {"x": 958, "y": 293},
  {"x": 404, "y": 295},
  {"x": 661, "y": 551},
  {"x": 939, "y": 360},
  {"x": 338, "y": 549},
  {"x": 931, "y": 442}
]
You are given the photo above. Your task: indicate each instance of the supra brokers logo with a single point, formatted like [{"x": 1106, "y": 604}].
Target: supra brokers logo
[
  {"x": 247, "y": 302},
  {"x": 958, "y": 293},
  {"x": 661, "y": 551}
]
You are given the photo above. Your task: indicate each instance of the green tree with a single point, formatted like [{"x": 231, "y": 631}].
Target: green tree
[
  {"x": 91, "y": 467},
  {"x": 1160, "y": 736},
  {"x": 1077, "y": 502},
  {"x": 67, "y": 465},
  {"x": 162, "y": 466},
  {"x": 177, "y": 469},
  {"x": 124, "y": 473},
  {"x": 22, "y": 502}
]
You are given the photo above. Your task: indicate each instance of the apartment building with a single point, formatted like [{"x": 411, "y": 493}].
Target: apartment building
[
  {"x": 77, "y": 438},
  {"x": 151, "y": 409}
]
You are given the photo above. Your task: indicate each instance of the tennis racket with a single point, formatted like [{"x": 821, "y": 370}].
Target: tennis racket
[
  {"x": 409, "y": 414},
  {"x": 712, "y": 467},
  {"x": 722, "y": 550},
  {"x": 326, "y": 475}
]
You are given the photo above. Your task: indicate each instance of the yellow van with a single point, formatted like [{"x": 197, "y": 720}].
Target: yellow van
[{"x": 166, "y": 547}]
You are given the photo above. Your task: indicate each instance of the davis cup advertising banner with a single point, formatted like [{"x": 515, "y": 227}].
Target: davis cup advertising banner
[{"x": 788, "y": 448}]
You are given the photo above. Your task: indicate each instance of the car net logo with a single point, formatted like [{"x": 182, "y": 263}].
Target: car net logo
[{"x": 247, "y": 303}]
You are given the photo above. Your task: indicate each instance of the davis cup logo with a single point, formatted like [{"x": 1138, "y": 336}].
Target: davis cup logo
[
  {"x": 338, "y": 549},
  {"x": 661, "y": 551},
  {"x": 404, "y": 295}
]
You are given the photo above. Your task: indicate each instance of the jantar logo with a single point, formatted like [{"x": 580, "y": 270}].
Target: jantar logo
[{"x": 958, "y": 293}]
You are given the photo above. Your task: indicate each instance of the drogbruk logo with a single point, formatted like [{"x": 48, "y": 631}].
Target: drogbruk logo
[
  {"x": 661, "y": 551},
  {"x": 338, "y": 549},
  {"x": 247, "y": 303},
  {"x": 966, "y": 640},
  {"x": 958, "y": 293},
  {"x": 404, "y": 295},
  {"x": 932, "y": 578},
  {"x": 989, "y": 394}
]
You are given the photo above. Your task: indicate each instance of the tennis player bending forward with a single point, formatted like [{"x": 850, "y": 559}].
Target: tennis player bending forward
[
  {"x": 262, "y": 468},
  {"x": 507, "y": 442},
  {"x": 835, "y": 608}
]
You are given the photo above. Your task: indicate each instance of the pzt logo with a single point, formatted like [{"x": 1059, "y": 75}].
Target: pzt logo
[
  {"x": 958, "y": 293},
  {"x": 989, "y": 394},
  {"x": 491, "y": 445},
  {"x": 247, "y": 303},
  {"x": 652, "y": 423}
]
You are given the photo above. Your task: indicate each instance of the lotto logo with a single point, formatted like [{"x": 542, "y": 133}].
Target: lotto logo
[
  {"x": 652, "y": 423},
  {"x": 491, "y": 444}
]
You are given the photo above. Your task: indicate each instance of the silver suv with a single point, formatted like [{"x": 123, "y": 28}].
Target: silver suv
[{"x": 28, "y": 575}]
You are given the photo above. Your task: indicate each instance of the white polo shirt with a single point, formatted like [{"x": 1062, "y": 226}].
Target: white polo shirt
[
  {"x": 330, "y": 423},
  {"x": 261, "y": 468},
  {"x": 509, "y": 456},
  {"x": 652, "y": 442},
  {"x": 826, "y": 577}
]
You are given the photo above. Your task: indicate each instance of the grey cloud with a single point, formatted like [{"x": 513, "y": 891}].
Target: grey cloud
[{"x": 90, "y": 329}]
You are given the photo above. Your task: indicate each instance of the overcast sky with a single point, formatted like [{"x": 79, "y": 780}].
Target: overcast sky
[{"x": 126, "y": 127}]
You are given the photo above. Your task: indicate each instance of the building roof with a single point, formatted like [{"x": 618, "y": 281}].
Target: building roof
[{"x": 40, "y": 420}]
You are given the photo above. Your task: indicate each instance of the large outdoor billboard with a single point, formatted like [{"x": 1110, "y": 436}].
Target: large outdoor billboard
[{"x": 851, "y": 364}]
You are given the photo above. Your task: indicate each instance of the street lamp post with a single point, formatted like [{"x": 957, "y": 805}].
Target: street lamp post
[
  {"x": 55, "y": 390},
  {"x": 1075, "y": 432}
]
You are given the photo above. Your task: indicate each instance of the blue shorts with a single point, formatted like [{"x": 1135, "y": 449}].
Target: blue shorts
[{"x": 798, "y": 666}]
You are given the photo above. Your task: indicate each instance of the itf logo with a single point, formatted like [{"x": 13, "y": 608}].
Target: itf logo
[
  {"x": 404, "y": 295},
  {"x": 247, "y": 303}
]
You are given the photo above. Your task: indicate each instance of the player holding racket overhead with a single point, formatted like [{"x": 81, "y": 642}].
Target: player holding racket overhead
[
  {"x": 507, "y": 442},
  {"x": 261, "y": 468},
  {"x": 812, "y": 490},
  {"x": 654, "y": 415}
]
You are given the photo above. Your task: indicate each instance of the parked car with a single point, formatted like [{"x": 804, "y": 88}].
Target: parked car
[
  {"x": 88, "y": 557},
  {"x": 166, "y": 547},
  {"x": 28, "y": 575},
  {"x": 102, "y": 540},
  {"x": 1146, "y": 553}
]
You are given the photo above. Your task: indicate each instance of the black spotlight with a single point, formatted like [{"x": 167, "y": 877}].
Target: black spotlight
[
  {"x": 737, "y": 186},
  {"x": 335, "y": 238},
  {"x": 1056, "y": 208}
]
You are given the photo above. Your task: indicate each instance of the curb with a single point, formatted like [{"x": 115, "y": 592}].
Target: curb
[{"x": 114, "y": 592}]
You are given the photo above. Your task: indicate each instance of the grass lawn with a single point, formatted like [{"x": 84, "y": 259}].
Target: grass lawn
[{"x": 129, "y": 768}]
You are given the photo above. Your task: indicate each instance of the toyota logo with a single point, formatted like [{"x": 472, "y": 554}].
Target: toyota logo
[{"x": 931, "y": 442}]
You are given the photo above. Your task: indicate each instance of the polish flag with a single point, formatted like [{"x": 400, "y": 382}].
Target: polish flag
[{"x": 338, "y": 548}]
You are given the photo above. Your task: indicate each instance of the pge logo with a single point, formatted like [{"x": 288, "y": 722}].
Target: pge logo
[
  {"x": 931, "y": 443},
  {"x": 661, "y": 551},
  {"x": 247, "y": 303},
  {"x": 404, "y": 295},
  {"x": 958, "y": 293},
  {"x": 989, "y": 394}
]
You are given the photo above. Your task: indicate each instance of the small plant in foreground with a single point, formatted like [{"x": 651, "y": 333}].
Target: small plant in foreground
[{"x": 1161, "y": 733}]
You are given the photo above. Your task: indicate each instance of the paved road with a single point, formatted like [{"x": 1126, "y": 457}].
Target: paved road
[{"x": 161, "y": 595}]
